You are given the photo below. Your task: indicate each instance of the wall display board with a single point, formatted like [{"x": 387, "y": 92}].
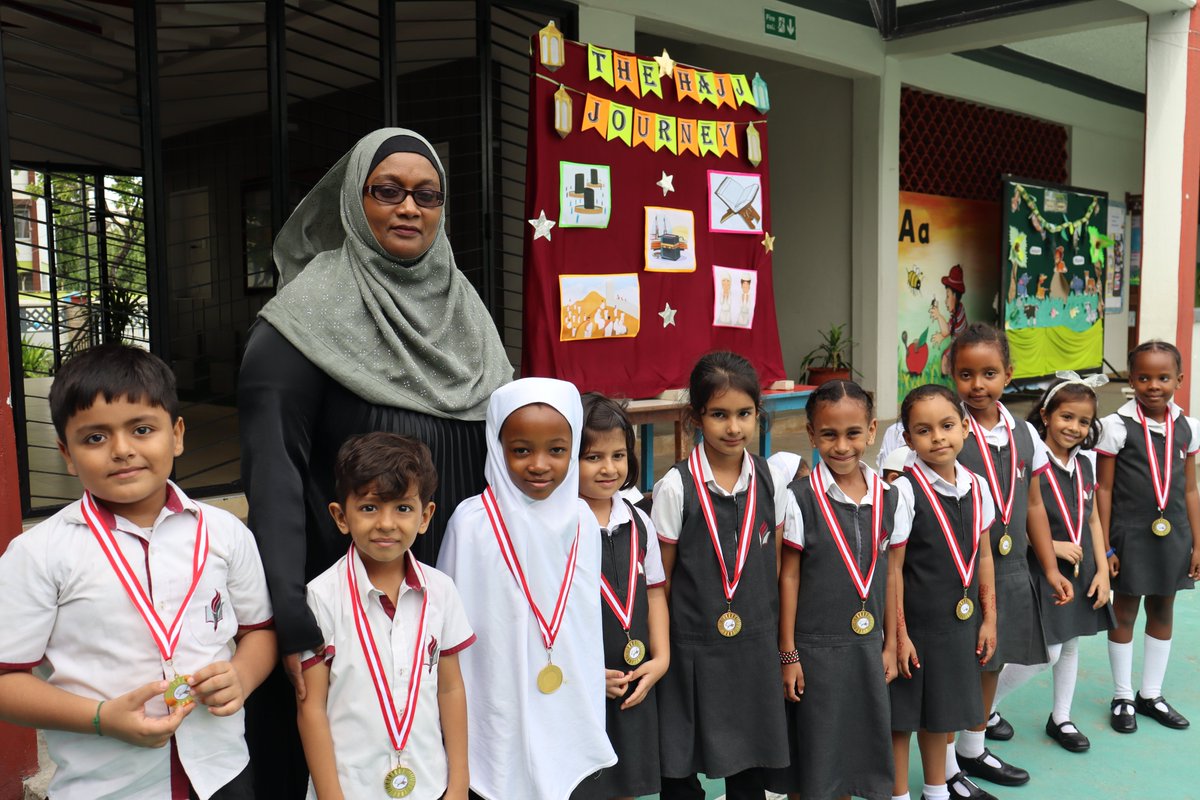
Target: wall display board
[
  {"x": 947, "y": 279},
  {"x": 1114, "y": 280},
  {"x": 1055, "y": 243},
  {"x": 649, "y": 240}
]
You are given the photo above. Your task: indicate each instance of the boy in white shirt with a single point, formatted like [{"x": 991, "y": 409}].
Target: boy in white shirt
[
  {"x": 134, "y": 607},
  {"x": 385, "y": 701}
]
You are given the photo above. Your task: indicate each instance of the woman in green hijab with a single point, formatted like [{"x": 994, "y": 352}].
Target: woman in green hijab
[{"x": 374, "y": 329}]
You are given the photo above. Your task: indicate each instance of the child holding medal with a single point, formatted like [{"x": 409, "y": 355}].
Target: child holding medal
[
  {"x": 943, "y": 579},
  {"x": 721, "y": 709},
  {"x": 636, "y": 628},
  {"x": 384, "y": 714},
  {"x": 1008, "y": 453},
  {"x": 1150, "y": 515},
  {"x": 525, "y": 556},
  {"x": 146, "y": 612},
  {"x": 837, "y": 617},
  {"x": 1065, "y": 416}
]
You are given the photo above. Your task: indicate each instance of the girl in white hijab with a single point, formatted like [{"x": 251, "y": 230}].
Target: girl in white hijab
[{"x": 525, "y": 556}]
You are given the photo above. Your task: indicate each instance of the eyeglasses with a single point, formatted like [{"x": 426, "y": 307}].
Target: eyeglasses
[{"x": 389, "y": 194}]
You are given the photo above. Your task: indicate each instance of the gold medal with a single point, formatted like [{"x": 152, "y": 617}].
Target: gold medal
[
  {"x": 1076, "y": 570},
  {"x": 862, "y": 623},
  {"x": 964, "y": 609},
  {"x": 178, "y": 692},
  {"x": 635, "y": 652},
  {"x": 549, "y": 679},
  {"x": 1160, "y": 527},
  {"x": 400, "y": 782},
  {"x": 1005, "y": 544},
  {"x": 729, "y": 624}
]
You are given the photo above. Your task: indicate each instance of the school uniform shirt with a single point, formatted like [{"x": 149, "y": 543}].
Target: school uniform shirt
[
  {"x": 1149, "y": 564},
  {"x": 667, "y": 511},
  {"x": 362, "y": 748},
  {"x": 68, "y": 618},
  {"x": 893, "y": 438},
  {"x": 793, "y": 524},
  {"x": 651, "y": 562},
  {"x": 958, "y": 490}
]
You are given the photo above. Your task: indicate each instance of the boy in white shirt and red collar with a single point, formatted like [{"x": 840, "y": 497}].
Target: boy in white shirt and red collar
[
  {"x": 134, "y": 608},
  {"x": 385, "y": 703}
]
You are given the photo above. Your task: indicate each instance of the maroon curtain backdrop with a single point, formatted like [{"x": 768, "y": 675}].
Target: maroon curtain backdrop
[{"x": 658, "y": 358}]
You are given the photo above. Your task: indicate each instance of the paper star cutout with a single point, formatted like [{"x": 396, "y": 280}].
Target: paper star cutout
[
  {"x": 768, "y": 242},
  {"x": 666, "y": 64},
  {"x": 541, "y": 226},
  {"x": 666, "y": 183},
  {"x": 668, "y": 315}
]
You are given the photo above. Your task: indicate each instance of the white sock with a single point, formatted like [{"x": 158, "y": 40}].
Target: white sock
[
  {"x": 904, "y": 796},
  {"x": 1154, "y": 667},
  {"x": 1120, "y": 661},
  {"x": 1066, "y": 670},
  {"x": 939, "y": 792},
  {"x": 970, "y": 744},
  {"x": 952, "y": 767},
  {"x": 1012, "y": 677}
]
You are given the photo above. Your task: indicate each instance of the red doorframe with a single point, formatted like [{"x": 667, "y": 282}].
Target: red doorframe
[
  {"x": 18, "y": 746},
  {"x": 1189, "y": 215}
]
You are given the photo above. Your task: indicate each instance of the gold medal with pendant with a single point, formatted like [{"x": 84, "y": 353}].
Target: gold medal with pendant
[
  {"x": 964, "y": 608},
  {"x": 635, "y": 651},
  {"x": 178, "y": 692},
  {"x": 1006, "y": 543},
  {"x": 549, "y": 679},
  {"x": 729, "y": 624},
  {"x": 399, "y": 782},
  {"x": 863, "y": 622},
  {"x": 1160, "y": 478},
  {"x": 1161, "y": 527}
]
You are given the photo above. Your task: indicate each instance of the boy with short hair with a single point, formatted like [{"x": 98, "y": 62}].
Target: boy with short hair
[
  {"x": 385, "y": 701},
  {"x": 131, "y": 608}
]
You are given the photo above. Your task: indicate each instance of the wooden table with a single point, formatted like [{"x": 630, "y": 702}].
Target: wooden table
[{"x": 775, "y": 401}]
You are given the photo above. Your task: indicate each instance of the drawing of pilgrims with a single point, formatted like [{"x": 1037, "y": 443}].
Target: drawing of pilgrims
[{"x": 725, "y": 318}]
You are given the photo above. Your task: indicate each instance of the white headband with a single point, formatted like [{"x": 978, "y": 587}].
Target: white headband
[{"x": 1068, "y": 377}]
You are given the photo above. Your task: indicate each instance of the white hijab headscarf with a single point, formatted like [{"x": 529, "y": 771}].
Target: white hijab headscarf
[{"x": 524, "y": 743}]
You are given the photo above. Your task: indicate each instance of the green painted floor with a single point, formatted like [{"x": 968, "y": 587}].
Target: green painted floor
[{"x": 1153, "y": 763}]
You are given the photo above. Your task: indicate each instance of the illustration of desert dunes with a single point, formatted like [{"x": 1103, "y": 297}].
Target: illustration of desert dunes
[{"x": 601, "y": 314}]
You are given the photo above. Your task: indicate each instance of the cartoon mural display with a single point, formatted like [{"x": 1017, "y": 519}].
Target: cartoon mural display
[
  {"x": 1055, "y": 240},
  {"x": 948, "y": 250}
]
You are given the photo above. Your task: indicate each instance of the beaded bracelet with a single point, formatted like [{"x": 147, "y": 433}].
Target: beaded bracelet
[
  {"x": 789, "y": 657},
  {"x": 96, "y": 719},
  {"x": 1112, "y": 551}
]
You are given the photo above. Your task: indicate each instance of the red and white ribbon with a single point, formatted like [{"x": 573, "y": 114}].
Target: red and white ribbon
[
  {"x": 1160, "y": 478},
  {"x": 1003, "y": 507},
  {"x": 624, "y": 611},
  {"x": 166, "y": 638},
  {"x": 744, "y": 534},
  {"x": 861, "y": 583},
  {"x": 1075, "y": 532},
  {"x": 966, "y": 569},
  {"x": 549, "y": 629},
  {"x": 399, "y": 726}
]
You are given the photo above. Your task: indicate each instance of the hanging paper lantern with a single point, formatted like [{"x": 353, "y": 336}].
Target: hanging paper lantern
[
  {"x": 550, "y": 47},
  {"x": 762, "y": 100},
  {"x": 562, "y": 111},
  {"x": 753, "y": 145}
]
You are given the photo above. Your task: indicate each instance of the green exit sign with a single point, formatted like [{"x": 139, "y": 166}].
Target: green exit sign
[{"x": 777, "y": 24}]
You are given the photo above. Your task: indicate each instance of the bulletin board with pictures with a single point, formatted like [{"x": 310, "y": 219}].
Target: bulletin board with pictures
[{"x": 649, "y": 239}]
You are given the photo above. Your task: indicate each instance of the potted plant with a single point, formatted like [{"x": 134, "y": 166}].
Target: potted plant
[{"x": 830, "y": 360}]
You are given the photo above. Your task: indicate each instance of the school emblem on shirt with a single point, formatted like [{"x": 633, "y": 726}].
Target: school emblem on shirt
[
  {"x": 215, "y": 611},
  {"x": 764, "y": 533},
  {"x": 1021, "y": 470},
  {"x": 433, "y": 651}
]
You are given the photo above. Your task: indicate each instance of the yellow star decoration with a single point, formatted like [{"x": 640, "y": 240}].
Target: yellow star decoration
[
  {"x": 666, "y": 64},
  {"x": 768, "y": 242}
]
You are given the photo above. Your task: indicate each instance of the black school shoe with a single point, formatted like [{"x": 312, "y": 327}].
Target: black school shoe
[
  {"x": 961, "y": 788},
  {"x": 1074, "y": 742},
  {"x": 1169, "y": 718},
  {"x": 1000, "y": 731},
  {"x": 1122, "y": 717},
  {"x": 1005, "y": 774}
]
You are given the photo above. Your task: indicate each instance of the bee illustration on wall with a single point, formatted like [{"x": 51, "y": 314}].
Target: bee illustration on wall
[{"x": 914, "y": 279}]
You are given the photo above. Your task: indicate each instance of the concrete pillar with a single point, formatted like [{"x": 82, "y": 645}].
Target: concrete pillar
[{"x": 876, "y": 209}]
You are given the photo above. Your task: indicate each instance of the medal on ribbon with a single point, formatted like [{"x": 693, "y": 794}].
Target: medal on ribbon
[
  {"x": 1074, "y": 532},
  {"x": 1004, "y": 508},
  {"x": 1161, "y": 478},
  {"x": 166, "y": 638},
  {"x": 863, "y": 622},
  {"x": 400, "y": 781},
  {"x": 635, "y": 649},
  {"x": 729, "y": 624},
  {"x": 550, "y": 677},
  {"x": 963, "y": 608}
]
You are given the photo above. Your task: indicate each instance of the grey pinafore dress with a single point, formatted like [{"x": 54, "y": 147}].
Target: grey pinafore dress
[
  {"x": 1150, "y": 565},
  {"x": 840, "y": 733},
  {"x": 720, "y": 705},
  {"x": 634, "y": 731},
  {"x": 944, "y": 693},
  {"x": 1019, "y": 636},
  {"x": 1077, "y": 618}
]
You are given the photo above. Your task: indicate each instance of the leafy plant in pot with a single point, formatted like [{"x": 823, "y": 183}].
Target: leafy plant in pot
[{"x": 830, "y": 360}]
